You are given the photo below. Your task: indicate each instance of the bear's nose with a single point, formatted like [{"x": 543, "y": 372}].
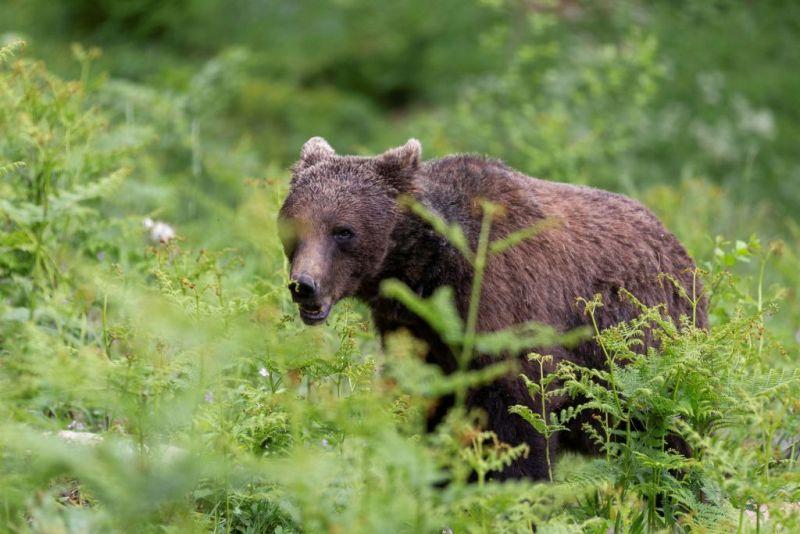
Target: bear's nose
[{"x": 303, "y": 287}]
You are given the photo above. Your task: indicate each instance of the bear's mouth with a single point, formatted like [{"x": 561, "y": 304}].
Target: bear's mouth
[{"x": 312, "y": 314}]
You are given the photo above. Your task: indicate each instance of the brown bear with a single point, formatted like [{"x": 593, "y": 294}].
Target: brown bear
[{"x": 344, "y": 232}]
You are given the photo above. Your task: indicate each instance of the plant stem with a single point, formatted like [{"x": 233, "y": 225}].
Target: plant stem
[
  {"x": 694, "y": 297},
  {"x": 610, "y": 362},
  {"x": 479, "y": 266},
  {"x": 542, "y": 389},
  {"x": 106, "y": 344},
  {"x": 760, "y": 301}
]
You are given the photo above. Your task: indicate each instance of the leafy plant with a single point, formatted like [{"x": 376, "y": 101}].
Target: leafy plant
[{"x": 169, "y": 386}]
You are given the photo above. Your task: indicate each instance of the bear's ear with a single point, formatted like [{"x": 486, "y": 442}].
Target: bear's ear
[
  {"x": 314, "y": 150},
  {"x": 398, "y": 165}
]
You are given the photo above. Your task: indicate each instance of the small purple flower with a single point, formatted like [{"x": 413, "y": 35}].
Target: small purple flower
[
  {"x": 209, "y": 396},
  {"x": 325, "y": 442}
]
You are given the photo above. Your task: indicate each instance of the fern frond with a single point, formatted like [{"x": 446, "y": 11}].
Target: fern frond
[
  {"x": 595, "y": 473},
  {"x": 9, "y": 50},
  {"x": 771, "y": 381},
  {"x": 11, "y": 167}
]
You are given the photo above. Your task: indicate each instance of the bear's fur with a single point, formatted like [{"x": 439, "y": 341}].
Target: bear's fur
[{"x": 345, "y": 232}]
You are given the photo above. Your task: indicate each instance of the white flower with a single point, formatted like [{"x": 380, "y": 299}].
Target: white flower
[
  {"x": 160, "y": 232},
  {"x": 263, "y": 372},
  {"x": 325, "y": 442},
  {"x": 76, "y": 425}
]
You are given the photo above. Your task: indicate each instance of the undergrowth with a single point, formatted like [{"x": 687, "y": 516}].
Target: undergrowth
[{"x": 195, "y": 400}]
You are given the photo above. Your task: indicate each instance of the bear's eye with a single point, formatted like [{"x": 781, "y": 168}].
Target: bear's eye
[{"x": 342, "y": 234}]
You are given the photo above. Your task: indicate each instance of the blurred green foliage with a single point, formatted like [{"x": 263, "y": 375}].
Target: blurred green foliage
[{"x": 208, "y": 406}]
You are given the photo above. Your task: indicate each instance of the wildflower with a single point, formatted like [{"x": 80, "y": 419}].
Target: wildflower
[
  {"x": 160, "y": 232},
  {"x": 76, "y": 425},
  {"x": 209, "y": 396},
  {"x": 325, "y": 442},
  {"x": 263, "y": 372}
]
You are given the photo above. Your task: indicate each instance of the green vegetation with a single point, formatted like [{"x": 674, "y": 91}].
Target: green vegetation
[{"x": 148, "y": 386}]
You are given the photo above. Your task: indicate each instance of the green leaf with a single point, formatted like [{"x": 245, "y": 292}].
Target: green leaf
[
  {"x": 533, "y": 418},
  {"x": 522, "y": 337},
  {"x": 11, "y": 167},
  {"x": 452, "y": 232},
  {"x": 515, "y": 238},
  {"x": 438, "y": 311}
]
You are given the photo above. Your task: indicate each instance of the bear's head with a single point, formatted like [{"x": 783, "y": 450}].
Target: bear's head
[{"x": 336, "y": 223}]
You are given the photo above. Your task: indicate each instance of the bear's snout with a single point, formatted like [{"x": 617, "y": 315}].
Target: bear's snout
[
  {"x": 303, "y": 288},
  {"x": 306, "y": 294}
]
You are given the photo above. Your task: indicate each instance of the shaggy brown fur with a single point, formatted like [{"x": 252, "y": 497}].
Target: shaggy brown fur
[{"x": 344, "y": 233}]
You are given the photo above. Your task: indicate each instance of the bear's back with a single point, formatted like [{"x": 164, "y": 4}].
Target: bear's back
[
  {"x": 455, "y": 185},
  {"x": 591, "y": 241}
]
